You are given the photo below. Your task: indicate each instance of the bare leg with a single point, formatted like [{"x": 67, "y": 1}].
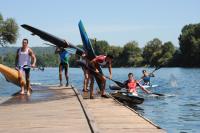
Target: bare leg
[
  {"x": 66, "y": 74},
  {"x": 86, "y": 80},
  {"x": 20, "y": 81},
  {"x": 91, "y": 86},
  {"x": 28, "y": 86},
  {"x": 60, "y": 74},
  {"x": 103, "y": 86}
]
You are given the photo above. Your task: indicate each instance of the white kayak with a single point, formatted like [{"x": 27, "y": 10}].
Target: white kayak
[{"x": 149, "y": 86}]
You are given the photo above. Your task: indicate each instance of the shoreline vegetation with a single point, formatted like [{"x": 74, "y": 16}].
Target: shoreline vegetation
[{"x": 154, "y": 53}]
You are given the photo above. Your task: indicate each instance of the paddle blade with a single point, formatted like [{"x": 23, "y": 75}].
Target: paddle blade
[
  {"x": 119, "y": 84},
  {"x": 158, "y": 94},
  {"x": 114, "y": 87}
]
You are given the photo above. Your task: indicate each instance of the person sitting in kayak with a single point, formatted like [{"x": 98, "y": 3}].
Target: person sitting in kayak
[
  {"x": 103, "y": 61},
  {"x": 146, "y": 77},
  {"x": 131, "y": 85},
  {"x": 64, "y": 63},
  {"x": 25, "y": 59}
]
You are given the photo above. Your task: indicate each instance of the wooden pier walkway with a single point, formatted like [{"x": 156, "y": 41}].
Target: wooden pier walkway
[{"x": 60, "y": 109}]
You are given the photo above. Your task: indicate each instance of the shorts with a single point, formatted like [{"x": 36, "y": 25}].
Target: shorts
[
  {"x": 24, "y": 69},
  {"x": 64, "y": 65}
]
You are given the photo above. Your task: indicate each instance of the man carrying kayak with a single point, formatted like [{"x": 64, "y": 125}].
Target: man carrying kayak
[
  {"x": 64, "y": 63},
  {"x": 103, "y": 61},
  {"x": 146, "y": 77},
  {"x": 131, "y": 85},
  {"x": 25, "y": 59}
]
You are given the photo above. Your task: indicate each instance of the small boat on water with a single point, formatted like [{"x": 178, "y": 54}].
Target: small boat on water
[
  {"x": 127, "y": 97},
  {"x": 150, "y": 86}
]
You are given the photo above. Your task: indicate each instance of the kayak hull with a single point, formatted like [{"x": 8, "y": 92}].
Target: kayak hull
[
  {"x": 11, "y": 75},
  {"x": 125, "y": 97},
  {"x": 87, "y": 46},
  {"x": 149, "y": 86},
  {"x": 51, "y": 38}
]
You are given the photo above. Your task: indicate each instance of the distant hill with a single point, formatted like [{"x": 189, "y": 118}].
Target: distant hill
[
  {"x": 45, "y": 56},
  {"x": 38, "y": 50}
]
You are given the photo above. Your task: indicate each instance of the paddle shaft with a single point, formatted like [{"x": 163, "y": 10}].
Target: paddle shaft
[{"x": 97, "y": 73}]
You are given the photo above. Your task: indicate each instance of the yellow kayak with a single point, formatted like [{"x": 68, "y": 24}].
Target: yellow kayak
[{"x": 11, "y": 75}]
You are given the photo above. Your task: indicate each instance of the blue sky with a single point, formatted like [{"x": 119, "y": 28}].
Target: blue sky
[{"x": 116, "y": 21}]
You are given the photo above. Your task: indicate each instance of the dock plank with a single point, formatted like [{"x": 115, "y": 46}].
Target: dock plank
[
  {"x": 58, "y": 115},
  {"x": 111, "y": 116},
  {"x": 61, "y": 109}
]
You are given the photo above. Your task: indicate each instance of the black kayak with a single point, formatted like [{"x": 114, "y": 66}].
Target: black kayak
[
  {"x": 52, "y": 39},
  {"x": 125, "y": 97}
]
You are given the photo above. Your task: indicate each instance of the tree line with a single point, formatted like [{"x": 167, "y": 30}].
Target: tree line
[{"x": 154, "y": 53}]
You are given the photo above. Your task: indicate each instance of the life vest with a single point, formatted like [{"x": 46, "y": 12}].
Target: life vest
[
  {"x": 146, "y": 80},
  {"x": 131, "y": 85},
  {"x": 101, "y": 60}
]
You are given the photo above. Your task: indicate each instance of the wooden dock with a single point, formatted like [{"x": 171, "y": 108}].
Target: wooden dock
[{"x": 60, "y": 109}]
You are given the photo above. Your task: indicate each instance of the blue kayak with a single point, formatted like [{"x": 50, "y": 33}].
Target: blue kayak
[{"x": 87, "y": 46}]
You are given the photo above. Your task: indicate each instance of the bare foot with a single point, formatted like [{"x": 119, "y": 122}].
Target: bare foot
[
  {"x": 28, "y": 93},
  {"x": 22, "y": 92}
]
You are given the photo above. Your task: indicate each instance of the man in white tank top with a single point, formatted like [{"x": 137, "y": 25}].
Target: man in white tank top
[{"x": 25, "y": 59}]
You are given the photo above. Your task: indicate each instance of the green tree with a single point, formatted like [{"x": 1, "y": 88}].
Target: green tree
[
  {"x": 152, "y": 52},
  {"x": 131, "y": 55},
  {"x": 9, "y": 59},
  {"x": 189, "y": 42},
  {"x": 167, "y": 54},
  {"x": 1, "y": 59},
  {"x": 100, "y": 47},
  {"x": 8, "y": 31},
  {"x": 116, "y": 52}
]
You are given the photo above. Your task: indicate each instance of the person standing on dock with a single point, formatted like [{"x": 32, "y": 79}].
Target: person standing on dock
[
  {"x": 64, "y": 62},
  {"x": 85, "y": 72},
  {"x": 25, "y": 59},
  {"x": 103, "y": 61}
]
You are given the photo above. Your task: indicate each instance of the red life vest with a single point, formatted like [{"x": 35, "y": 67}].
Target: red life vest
[
  {"x": 132, "y": 86},
  {"x": 101, "y": 59}
]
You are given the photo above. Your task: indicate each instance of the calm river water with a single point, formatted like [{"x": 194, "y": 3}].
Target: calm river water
[{"x": 177, "y": 111}]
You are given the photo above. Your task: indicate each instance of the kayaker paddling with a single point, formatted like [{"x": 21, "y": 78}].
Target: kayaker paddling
[
  {"x": 146, "y": 77},
  {"x": 131, "y": 85}
]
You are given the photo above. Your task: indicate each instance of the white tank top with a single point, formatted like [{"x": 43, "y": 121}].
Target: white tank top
[{"x": 24, "y": 57}]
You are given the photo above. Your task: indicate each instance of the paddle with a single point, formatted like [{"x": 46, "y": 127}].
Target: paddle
[
  {"x": 121, "y": 85},
  {"x": 81, "y": 63},
  {"x": 40, "y": 67},
  {"x": 158, "y": 94},
  {"x": 157, "y": 68},
  {"x": 154, "y": 93},
  {"x": 119, "y": 88}
]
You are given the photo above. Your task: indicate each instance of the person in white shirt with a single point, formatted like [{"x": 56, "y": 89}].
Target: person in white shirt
[{"x": 25, "y": 59}]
